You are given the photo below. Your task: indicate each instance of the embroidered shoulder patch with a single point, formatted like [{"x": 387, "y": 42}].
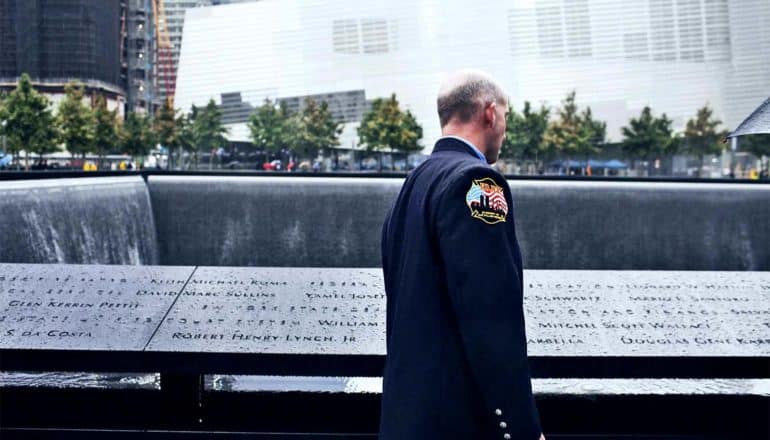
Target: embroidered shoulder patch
[{"x": 486, "y": 200}]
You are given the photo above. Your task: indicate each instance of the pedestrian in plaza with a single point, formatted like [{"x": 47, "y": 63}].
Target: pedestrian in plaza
[{"x": 456, "y": 365}]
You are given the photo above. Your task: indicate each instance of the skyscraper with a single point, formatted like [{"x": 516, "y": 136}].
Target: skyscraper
[
  {"x": 138, "y": 55},
  {"x": 107, "y": 45},
  {"x": 57, "y": 41}
]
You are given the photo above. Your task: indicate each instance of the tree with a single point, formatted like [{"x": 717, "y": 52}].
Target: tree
[
  {"x": 187, "y": 139},
  {"x": 273, "y": 127},
  {"x": 206, "y": 131},
  {"x": 29, "y": 123},
  {"x": 594, "y": 131},
  {"x": 759, "y": 146},
  {"x": 386, "y": 127},
  {"x": 137, "y": 139},
  {"x": 701, "y": 136},
  {"x": 76, "y": 122},
  {"x": 3, "y": 117},
  {"x": 106, "y": 128},
  {"x": 166, "y": 130},
  {"x": 318, "y": 131},
  {"x": 649, "y": 137},
  {"x": 524, "y": 133},
  {"x": 411, "y": 134},
  {"x": 574, "y": 133}
]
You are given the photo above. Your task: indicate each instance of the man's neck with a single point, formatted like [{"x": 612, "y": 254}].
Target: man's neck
[
  {"x": 473, "y": 146},
  {"x": 468, "y": 140},
  {"x": 468, "y": 136}
]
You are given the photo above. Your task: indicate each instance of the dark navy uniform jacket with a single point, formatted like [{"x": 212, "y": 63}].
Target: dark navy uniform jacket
[{"x": 456, "y": 364}]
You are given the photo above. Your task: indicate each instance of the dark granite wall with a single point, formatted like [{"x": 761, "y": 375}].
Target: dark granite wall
[
  {"x": 245, "y": 221},
  {"x": 643, "y": 226},
  {"x": 266, "y": 221},
  {"x": 336, "y": 222}
]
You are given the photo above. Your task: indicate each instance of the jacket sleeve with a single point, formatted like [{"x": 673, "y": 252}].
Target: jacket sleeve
[{"x": 477, "y": 241}]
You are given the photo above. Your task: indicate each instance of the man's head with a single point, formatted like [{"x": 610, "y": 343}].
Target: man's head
[{"x": 473, "y": 106}]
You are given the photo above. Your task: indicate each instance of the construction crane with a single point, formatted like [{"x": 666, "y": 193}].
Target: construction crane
[{"x": 165, "y": 58}]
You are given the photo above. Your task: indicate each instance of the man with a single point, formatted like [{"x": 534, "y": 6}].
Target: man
[{"x": 456, "y": 365}]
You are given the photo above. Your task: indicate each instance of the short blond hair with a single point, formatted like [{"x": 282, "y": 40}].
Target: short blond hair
[{"x": 466, "y": 92}]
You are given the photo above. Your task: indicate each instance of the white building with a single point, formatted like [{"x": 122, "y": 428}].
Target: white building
[
  {"x": 619, "y": 55},
  {"x": 174, "y": 11}
]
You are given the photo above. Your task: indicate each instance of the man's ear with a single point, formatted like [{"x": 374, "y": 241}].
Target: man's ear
[{"x": 490, "y": 114}]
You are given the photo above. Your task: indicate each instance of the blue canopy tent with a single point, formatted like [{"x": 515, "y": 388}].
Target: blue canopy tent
[
  {"x": 5, "y": 160},
  {"x": 612, "y": 164}
]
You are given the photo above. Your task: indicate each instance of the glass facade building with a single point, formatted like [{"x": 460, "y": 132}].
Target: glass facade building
[
  {"x": 59, "y": 41},
  {"x": 55, "y": 40},
  {"x": 619, "y": 56}
]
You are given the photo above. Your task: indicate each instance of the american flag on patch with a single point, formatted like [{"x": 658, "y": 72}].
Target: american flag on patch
[
  {"x": 473, "y": 194},
  {"x": 486, "y": 195},
  {"x": 497, "y": 200}
]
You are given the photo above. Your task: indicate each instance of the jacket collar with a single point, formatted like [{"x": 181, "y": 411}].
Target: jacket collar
[{"x": 450, "y": 143}]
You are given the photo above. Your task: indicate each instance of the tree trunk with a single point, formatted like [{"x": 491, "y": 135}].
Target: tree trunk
[
  {"x": 26, "y": 160},
  {"x": 700, "y": 166}
]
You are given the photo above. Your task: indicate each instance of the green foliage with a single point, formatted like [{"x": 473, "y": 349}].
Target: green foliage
[
  {"x": 3, "y": 97},
  {"x": 386, "y": 126},
  {"x": 29, "y": 121},
  {"x": 648, "y": 136},
  {"x": 3, "y": 117},
  {"x": 76, "y": 121},
  {"x": 187, "y": 138},
  {"x": 206, "y": 131},
  {"x": 166, "y": 127},
  {"x": 318, "y": 131},
  {"x": 106, "y": 127},
  {"x": 524, "y": 132},
  {"x": 574, "y": 132},
  {"x": 701, "y": 135},
  {"x": 594, "y": 131},
  {"x": 273, "y": 127},
  {"x": 411, "y": 133},
  {"x": 756, "y": 144},
  {"x": 138, "y": 138}
]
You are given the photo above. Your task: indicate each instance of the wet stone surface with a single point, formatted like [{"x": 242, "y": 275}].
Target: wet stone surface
[
  {"x": 342, "y": 310},
  {"x": 642, "y": 313},
  {"x": 84, "y": 307},
  {"x": 278, "y": 310}
]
